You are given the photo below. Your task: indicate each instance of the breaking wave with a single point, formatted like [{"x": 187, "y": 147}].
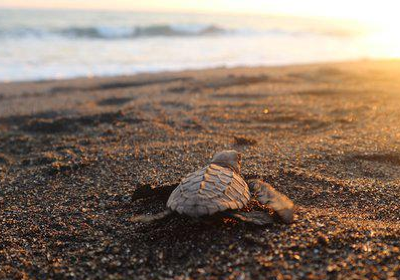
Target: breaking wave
[{"x": 108, "y": 32}]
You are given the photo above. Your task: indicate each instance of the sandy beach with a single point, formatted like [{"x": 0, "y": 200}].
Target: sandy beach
[{"x": 79, "y": 158}]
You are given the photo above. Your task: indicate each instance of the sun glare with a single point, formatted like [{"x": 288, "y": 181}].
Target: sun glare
[{"x": 385, "y": 35}]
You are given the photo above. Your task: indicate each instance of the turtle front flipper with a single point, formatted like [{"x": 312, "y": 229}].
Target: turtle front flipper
[
  {"x": 150, "y": 218},
  {"x": 279, "y": 202},
  {"x": 255, "y": 217}
]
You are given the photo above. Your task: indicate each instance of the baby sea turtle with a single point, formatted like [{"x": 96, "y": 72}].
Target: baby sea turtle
[{"x": 218, "y": 187}]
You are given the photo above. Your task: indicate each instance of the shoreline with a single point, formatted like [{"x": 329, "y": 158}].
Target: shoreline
[
  {"x": 75, "y": 153},
  {"x": 206, "y": 68}
]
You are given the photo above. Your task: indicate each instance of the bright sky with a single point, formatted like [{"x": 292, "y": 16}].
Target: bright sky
[{"x": 369, "y": 10}]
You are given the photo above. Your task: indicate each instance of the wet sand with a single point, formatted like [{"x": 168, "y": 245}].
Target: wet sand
[{"x": 78, "y": 158}]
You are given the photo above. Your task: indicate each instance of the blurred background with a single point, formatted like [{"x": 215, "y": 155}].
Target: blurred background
[{"x": 62, "y": 39}]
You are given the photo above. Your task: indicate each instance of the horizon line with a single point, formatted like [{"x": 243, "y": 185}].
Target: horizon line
[{"x": 188, "y": 12}]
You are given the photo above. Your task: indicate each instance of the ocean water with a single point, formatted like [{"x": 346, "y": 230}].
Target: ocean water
[{"x": 46, "y": 44}]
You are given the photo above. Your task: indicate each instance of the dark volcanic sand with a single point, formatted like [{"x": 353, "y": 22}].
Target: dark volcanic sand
[{"x": 78, "y": 158}]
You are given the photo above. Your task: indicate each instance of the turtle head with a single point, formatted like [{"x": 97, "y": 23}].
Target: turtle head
[{"x": 228, "y": 158}]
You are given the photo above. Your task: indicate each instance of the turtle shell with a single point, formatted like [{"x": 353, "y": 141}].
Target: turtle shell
[{"x": 209, "y": 190}]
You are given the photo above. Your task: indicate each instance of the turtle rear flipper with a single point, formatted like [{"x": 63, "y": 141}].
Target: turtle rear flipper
[
  {"x": 256, "y": 217},
  {"x": 150, "y": 218},
  {"x": 279, "y": 202}
]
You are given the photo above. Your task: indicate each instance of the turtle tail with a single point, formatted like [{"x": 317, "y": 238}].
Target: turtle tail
[{"x": 150, "y": 218}]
